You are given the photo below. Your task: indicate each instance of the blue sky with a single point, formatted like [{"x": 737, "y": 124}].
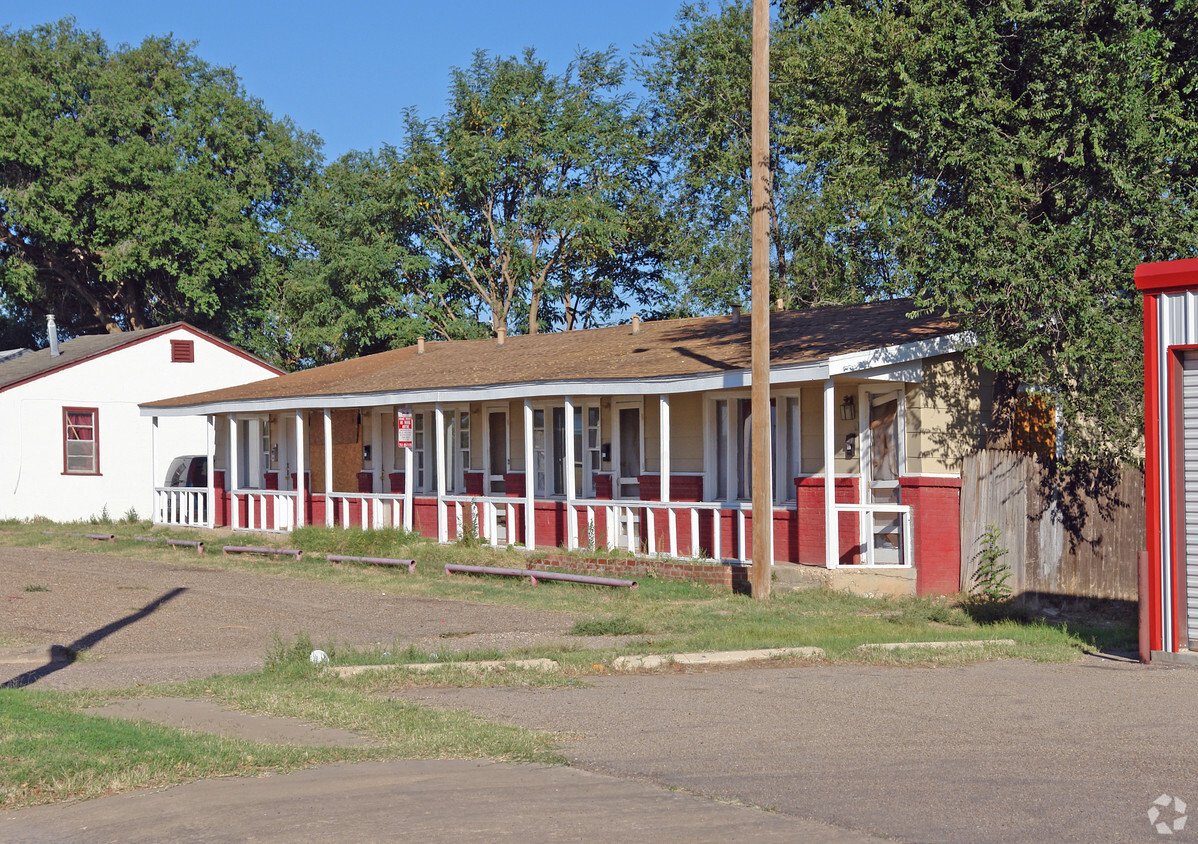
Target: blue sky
[{"x": 347, "y": 70}]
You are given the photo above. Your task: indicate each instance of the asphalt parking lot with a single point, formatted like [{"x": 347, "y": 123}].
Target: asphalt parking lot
[{"x": 998, "y": 751}]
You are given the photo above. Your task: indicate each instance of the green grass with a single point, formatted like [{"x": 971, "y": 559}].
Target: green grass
[
  {"x": 50, "y": 751},
  {"x": 660, "y": 616}
]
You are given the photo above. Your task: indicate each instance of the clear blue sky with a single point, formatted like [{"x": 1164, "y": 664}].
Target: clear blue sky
[{"x": 346, "y": 70}]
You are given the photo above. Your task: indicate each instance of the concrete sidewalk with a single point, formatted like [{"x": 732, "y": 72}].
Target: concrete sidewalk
[{"x": 433, "y": 802}]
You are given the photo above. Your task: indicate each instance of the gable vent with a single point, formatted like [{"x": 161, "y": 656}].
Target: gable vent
[{"x": 183, "y": 351}]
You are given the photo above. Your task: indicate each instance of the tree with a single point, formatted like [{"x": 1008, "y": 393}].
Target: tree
[
  {"x": 531, "y": 193},
  {"x": 362, "y": 283},
  {"x": 697, "y": 77},
  {"x": 139, "y": 186},
  {"x": 1021, "y": 159}
]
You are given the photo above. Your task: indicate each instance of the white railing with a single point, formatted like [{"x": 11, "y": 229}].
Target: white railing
[
  {"x": 265, "y": 509},
  {"x": 869, "y": 525},
  {"x": 367, "y": 510},
  {"x": 492, "y": 519},
  {"x": 181, "y": 506}
]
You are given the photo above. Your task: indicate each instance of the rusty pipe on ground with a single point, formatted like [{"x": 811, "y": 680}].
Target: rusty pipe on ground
[
  {"x": 374, "y": 561},
  {"x": 534, "y": 575},
  {"x": 252, "y": 549}
]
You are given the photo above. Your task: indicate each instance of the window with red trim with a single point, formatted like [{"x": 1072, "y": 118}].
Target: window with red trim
[
  {"x": 81, "y": 441},
  {"x": 183, "y": 351}
]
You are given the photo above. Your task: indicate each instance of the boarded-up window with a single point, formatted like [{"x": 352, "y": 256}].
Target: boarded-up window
[
  {"x": 81, "y": 441},
  {"x": 183, "y": 351},
  {"x": 1034, "y": 425}
]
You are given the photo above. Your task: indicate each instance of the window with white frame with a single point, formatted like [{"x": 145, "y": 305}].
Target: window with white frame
[
  {"x": 457, "y": 448},
  {"x": 81, "y": 441},
  {"x": 729, "y": 446},
  {"x": 419, "y": 453}
]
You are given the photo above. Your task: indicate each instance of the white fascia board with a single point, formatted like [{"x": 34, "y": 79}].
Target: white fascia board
[
  {"x": 883, "y": 359},
  {"x": 669, "y": 385}
]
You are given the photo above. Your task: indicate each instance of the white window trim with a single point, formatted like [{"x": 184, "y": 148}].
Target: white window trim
[
  {"x": 786, "y": 465},
  {"x": 617, "y": 405},
  {"x": 488, "y": 410}
]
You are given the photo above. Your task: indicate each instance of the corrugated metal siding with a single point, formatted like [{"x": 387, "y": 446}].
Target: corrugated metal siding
[{"x": 1189, "y": 397}]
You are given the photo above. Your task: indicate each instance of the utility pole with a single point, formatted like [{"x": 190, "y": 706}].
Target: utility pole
[{"x": 763, "y": 511}]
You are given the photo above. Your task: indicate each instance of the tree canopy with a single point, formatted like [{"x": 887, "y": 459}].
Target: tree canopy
[{"x": 138, "y": 186}]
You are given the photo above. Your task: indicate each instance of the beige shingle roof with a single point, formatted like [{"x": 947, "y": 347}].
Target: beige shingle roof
[{"x": 680, "y": 347}]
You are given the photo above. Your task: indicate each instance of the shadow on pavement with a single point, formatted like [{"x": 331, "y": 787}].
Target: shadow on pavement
[{"x": 61, "y": 656}]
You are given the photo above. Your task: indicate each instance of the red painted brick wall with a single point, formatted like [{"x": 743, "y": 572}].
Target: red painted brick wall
[
  {"x": 810, "y": 523},
  {"x": 397, "y": 482},
  {"x": 733, "y": 577},
  {"x": 936, "y": 513},
  {"x": 682, "y": 487},
  {"x": 474, "y": 482},
  {"x": 513, "y": 484}
]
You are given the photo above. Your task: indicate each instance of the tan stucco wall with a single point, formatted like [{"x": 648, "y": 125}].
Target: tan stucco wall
[
  {"x": 811, "y": 431},
  {"x": 948, "y": 415}
]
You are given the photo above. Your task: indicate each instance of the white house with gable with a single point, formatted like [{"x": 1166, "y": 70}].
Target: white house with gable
[{"x": 72, "y": 441}]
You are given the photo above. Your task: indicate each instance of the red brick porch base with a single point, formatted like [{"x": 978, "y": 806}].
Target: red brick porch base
[{"x": 733, "y": 576}]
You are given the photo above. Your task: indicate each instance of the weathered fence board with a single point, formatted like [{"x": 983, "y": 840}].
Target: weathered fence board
[{"x": 1060, "y": 537}]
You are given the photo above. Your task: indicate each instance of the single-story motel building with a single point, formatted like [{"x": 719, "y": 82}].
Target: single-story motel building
[{"x": 633, "y": 437}]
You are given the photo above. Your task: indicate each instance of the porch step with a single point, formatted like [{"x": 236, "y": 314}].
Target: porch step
[{"x": 860, "y": 580}]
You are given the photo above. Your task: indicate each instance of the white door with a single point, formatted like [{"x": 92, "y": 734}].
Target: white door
[
  {"x": 497, "y": 456},
  {"x": 882, "y": 464}
]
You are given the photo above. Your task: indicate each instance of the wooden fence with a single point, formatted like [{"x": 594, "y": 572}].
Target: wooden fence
[{"x": 1061, "y": 538}]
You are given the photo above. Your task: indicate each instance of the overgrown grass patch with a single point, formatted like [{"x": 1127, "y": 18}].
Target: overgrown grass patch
[{"x": 660, "y": 616}]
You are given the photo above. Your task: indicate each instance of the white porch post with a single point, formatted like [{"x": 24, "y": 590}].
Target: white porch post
[
  {"x": 328, "y": 467},
  {"x": 409, "y": 483},
  {"x": 831, "y": 522},
  {"x": 571, "y": 512},
  {"x": 439, "y": 439},
  {"x": 301, "y": 463},
  {"x": 376, "y": 451},
  {"x": 154, "y": 469},
  {"x": 210, "y": 435},
  {"x": 284, "y": 455},
  {"x": 530, "y": 516},
  {"x": 664, "y": 435},
  {"x": 234, "y": 520}
]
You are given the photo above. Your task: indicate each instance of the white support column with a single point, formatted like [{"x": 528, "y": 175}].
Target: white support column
[
  {"x": 301, "y": 463},
  {"x": 210, "y": 432},
  {"x": 571, "y": 492},
  {"x": 154, "y": 469},
  {"x": 530, "y": 516},
  {"x": 283, "y": 441},
  {"x": 328, "y": 467},
  {"x": 409, "y": 482},
  {"x": 376, "y": 450},
  {"x": 233, "y": 476},
  {"x": 831, "y": 521},
  {"x": 439, "y": 439},
  {"x": 664, "y": 434}
]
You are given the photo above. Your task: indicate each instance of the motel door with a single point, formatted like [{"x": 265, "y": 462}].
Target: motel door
[
  {"x": 1188, "y": 566},
  {"x": 882, "y": 462},
  {"x": 496, "y": 451}
]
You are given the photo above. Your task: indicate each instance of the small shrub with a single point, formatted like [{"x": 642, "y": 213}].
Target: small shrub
[
  {"x": 990, "y": 580},
  {"x": 34, "y": 587},
  {"x": 131, "y": 517}
]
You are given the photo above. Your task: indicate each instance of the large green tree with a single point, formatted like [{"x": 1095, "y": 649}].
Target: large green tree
[
  {"x": 1019, "y": 159},
  {"x": 697, "y": 78},
  {"x": 532, "y": 192},
  {"x": 138, "y": 186}
]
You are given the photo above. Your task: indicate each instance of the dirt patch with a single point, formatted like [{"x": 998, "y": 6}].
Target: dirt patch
[{"x": 139, "y": 622}]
